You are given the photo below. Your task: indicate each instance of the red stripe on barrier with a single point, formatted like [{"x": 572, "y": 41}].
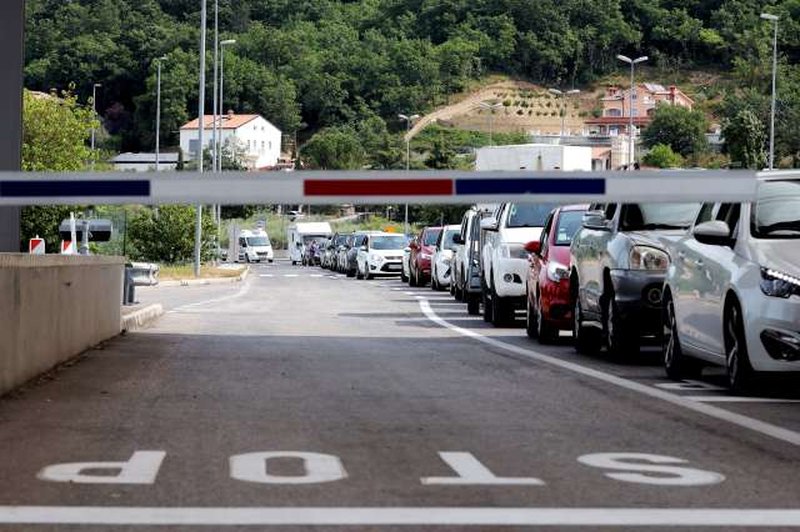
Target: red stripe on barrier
[{"x": 378, "y": 187}]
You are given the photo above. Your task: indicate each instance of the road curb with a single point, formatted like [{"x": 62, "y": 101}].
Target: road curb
[
  {"x": 141, "y": 318},
  {"x": 202, "y": 282}
]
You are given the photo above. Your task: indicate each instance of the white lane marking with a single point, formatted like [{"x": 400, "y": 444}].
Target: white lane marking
[
  {"x": 762, "y": 427},
  {"x": 317, "y": 468},
  {"x": 690, "y": 385},
  {"x": 141, "y": 468},
  {"x": 735, "y": 399},
  {"x": 664, "y": 475},
  {"x": 242, "y": 291},
  {"x": 316, "y": 275},
  {"x": 420, "y": 516},
  {"x": 266, "y": 275},
  {"x": 470, "y": 472},
  {"x": 290, "y": 275}
]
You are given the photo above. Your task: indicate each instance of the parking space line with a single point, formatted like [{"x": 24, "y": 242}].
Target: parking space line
[
  {"x": 242, "y": 291},
  {"x": 762, "y": 427},
  {"x": 420, "y": 516},
  {"x": 738, "y": 399}
]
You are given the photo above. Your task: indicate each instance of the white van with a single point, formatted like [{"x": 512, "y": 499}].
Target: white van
[
  {"x": 251, "y": 246},
  {"x": 300, "y": 235}
]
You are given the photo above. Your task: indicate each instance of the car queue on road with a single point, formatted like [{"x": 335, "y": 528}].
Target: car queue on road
[{"x": 711, "y": 284}]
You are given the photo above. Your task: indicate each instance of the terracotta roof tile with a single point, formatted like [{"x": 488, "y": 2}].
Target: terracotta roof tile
[{"x": 226, "y": 121}]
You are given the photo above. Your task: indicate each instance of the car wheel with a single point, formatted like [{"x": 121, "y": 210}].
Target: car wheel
[
  {"x": 351, "y": 273},
  {"x": 359, "y": 275},
  {"x": 367, "y": 275},
  {"x": 530, "y": 319},
  {"x": 502, "y": 312},
  {"x": 487, "y": 303},
  {"x": 473, "y": 305},
  {"x": 403, "y": 277},
  {"x": 621, "y": 339},
  {"x": 271, "y": 261},
  {"x": 587, "y": 339},
  {"x": 677, "y": 365},
  {"x": 294, "y": 263},
  {"x": 452, "y": 287},
  {"x": 737, "y": 361},
  {"x": 546, "y": 333}
]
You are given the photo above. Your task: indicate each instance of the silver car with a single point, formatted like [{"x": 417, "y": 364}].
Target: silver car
[
  {"x": 618, "y": 265},
  {"x": 732, "y": 293}
]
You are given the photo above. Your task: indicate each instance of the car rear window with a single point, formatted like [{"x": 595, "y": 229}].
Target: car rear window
[{"x": 568, "y": 224}]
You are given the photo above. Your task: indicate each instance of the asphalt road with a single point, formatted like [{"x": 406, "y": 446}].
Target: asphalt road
[{"x": 301, "y": 397}]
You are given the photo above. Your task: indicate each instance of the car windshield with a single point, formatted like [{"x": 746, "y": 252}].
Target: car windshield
[
  {"x": 655, "y": 216},
  {"x": 388, "y": 242},
  {"x": 258, "y": 241},
  {"x": 776, "y": 214},
  {"x": 430, "y": 237},
  {"x": 529, "y": 214},
  {"x": 308, "y": 239},
  {"x": 340, "y": 240},
  {"x": 447, "y": 239},
  {"x": 568, "y": 224}
]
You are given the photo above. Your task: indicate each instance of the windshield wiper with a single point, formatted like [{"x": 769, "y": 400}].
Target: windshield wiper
[{"x": 793, "y": 225}]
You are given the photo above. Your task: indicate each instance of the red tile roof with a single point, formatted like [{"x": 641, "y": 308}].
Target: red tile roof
[{"x": 228, "y": 121}]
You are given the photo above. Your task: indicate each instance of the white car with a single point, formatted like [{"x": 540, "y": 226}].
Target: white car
[
  {"x": 732, "y": 292},
  {"x": 380, "y": 254},
  {"x": 405, "y": 270},
  {"x": 504, "y": 261},
  {"x": 441, "y": 262}
]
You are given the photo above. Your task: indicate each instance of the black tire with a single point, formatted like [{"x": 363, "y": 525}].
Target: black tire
[
  {"x": 737, "y": 361},
  {"x": 621, "y": 338},
  {"x": 367, "y": 275},
  {"x": 677, "y": 365},
  {"x": 412, "y": 280},
  {"x": 403, "y": 277},
  {"x": 487, "y": 304},
  {"x": 452, "y": 287},
  {"x": 294, "y": 263},
  {"x": 271, "y": 261},
  {"x": 359, "y": 275},
  {"x": 543, "y": 330},
  {"x": 530, "y": 319},
  {"x": 473, "y": 305},
  {"x": 502, "y": 312},
  {"x": 587, "y": 339},
  {"x": 351, "y": 273}
]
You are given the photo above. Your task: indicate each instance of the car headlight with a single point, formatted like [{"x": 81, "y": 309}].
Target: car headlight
[
  {"x": 513, "y": 251},
  {"x": 557, "y": 272},
  {"x": 375, "y": 258},
  {"x": 778, "y": 284},
  {"x": 647, "y": 258}
]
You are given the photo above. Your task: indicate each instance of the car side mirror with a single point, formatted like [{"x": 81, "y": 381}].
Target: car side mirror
[
  {"x": 406, "y": 249},
  {"x": 413, "y": 245},
  {"x": 716, "y": 233},
  {"x": 363, "y": 248},
  {"x": 457, "y": 240},
  {"x": 533, "y": 247},
  {"x": 489, "y": 224},
  {"x": 596, "y": 220}
]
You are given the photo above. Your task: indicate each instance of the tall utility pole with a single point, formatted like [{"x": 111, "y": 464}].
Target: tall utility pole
[
  {"x": 221, "y": 110},
  {"x": 12, "y": 60},
  {"x": 563, "y": 95},
  {"x": 491, "y": 107},
  {"x": 214, "y": 111},
  {"x": 633, "y": 63},
  {"x": 158, "y": 107},
  {"x": 94, "y": 110},
  {"x": 198, "y": 229},
  {"x": 774, "y": 19},
  {"x": 409, "y": 120}
]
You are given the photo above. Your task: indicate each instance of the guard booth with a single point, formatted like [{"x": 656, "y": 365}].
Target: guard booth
[{"x": 86, "y": 230}]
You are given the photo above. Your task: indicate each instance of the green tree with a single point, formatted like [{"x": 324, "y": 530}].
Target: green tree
[
  {"x": 336, "y": 148},
  {"x": 745, "y": 138},
  {"x": 682, "y": 129},
  {"x": 167, "y": 234},
  {"x": 662, "y": 156},
  {"x": 55, "y": 133},
  {"x": 442, "y": 155}
]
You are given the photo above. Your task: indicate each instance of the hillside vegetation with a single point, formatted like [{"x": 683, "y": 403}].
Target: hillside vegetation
[{"x": 352, "y": 66}]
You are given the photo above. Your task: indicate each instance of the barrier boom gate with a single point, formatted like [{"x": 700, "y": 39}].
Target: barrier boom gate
[{"x": 376, "y": 187}]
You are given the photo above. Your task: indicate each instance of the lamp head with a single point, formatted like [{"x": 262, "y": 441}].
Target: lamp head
[{"x": 769, "y": 16}]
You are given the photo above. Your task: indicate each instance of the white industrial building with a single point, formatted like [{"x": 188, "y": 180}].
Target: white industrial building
[
  {"x": 259, "y": 140},
  {"x": 534, "y": 157}
]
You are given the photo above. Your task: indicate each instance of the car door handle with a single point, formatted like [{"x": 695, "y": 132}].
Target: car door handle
[{"x": 699, "y": 263}]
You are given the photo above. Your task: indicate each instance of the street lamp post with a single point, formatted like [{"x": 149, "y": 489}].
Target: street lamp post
[
  {"x": 563, "y": 95},
  {"x": 222, "y": 46},
  {"x": 94, "y": 110},
  {"x": 158, "y": 62},
  {"x": 201, "y": 100},
  {"x": 632, "y": 63},
  {"x": 774, "y": 19},
  {"x": 409, "y": 120},
  {"x": 491, "y": 107}
]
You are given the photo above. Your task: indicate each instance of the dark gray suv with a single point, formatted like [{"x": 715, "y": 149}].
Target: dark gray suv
[{"x": 619, "y": 260}]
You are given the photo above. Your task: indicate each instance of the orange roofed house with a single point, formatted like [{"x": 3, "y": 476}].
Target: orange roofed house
[
  {"x": 616, "y": 107},
  {"x": 259, "y": 140}
]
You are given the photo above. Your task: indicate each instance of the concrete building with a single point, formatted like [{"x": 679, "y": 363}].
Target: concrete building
[
  {"x": 608, "y": 153},
  {"x": 534, "y": 157},
  {"x": 258, "y": 139},
  {"x": 646, "y": 96},
  {"x": 145, "y": 162}
]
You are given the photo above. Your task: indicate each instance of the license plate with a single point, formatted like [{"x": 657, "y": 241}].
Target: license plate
[{"x": 393, "y": 267}]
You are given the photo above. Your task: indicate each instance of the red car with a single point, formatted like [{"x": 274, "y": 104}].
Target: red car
[
  {"x": 419, "y": 262},
  {"x": 549, "y": 308}
]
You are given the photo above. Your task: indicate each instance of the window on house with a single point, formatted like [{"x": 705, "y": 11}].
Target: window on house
[
  {"x": 613, "y": 112},
  {"x": 270, "y": 144},
  {"x": 193, "y": 146},
  {"x": 635, "y": 112}
]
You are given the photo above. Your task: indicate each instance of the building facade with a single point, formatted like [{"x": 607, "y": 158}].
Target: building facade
[
  {"x": 253, "y": 135},
  {"x": 617, "y": 108}
]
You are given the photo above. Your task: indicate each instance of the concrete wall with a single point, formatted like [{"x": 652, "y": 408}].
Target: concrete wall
[{"x": 53, "y": 307}]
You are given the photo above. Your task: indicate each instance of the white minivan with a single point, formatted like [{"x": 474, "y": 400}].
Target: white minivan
[{"x": 732, "y": 292}]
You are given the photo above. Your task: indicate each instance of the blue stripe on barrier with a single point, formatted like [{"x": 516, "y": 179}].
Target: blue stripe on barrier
[
  {"x": 530, "y": 186},
  {"x": 92, "y": 188}
]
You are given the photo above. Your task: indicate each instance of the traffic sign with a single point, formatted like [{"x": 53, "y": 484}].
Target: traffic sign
[
  {"x": 378, "y": 187},
  {"x": 67, "y": 247},
  {"x": 36, "y": 246}
]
